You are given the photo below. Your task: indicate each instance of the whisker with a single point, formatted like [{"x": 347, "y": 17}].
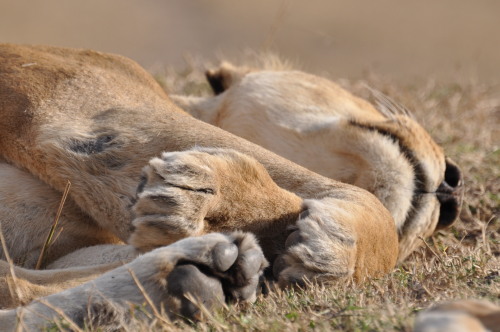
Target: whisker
[{"x": 387, "y": 106}]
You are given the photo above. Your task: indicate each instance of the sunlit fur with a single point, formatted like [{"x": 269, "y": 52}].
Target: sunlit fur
[
  {"x": 317, "y": 124},
  {"x": 100, "y": 121}
]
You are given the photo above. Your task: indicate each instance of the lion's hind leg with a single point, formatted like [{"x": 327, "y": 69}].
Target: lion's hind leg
[
  {"x": 19, "y": 286},
  {"x": 28, "y": 208},
  {"x": 175, "y": 279}
]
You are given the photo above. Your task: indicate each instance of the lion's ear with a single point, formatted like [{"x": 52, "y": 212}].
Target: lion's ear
[
  {"x": 222, "y": 78},
  {"x": 217, "y": 81}
]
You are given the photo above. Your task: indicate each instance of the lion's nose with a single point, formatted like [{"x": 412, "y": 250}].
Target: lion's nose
[{"x": 450, "y": 194}]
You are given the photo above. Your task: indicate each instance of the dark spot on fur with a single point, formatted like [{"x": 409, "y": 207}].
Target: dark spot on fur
[
  {"x": 103, "y": 149},
  {"x": 113, "y": 162},
  {"x": 93, "y": 145}
]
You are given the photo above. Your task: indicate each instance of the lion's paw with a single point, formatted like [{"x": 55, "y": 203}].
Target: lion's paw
[
  {"x": 181, "y": 279},
  {"x": 213, "y": 269},
  {"x": 205, "y": 190},
  {"x": 174, "y": 195},
  {"x": 317, "y": 248},
  {"x": 336, "y": 239}
]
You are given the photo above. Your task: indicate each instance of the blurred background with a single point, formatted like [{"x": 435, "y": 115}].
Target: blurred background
[{"x": 400, "y": 40}]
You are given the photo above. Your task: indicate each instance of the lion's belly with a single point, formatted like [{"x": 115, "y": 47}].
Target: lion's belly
[{"x": 27, "y": 211}]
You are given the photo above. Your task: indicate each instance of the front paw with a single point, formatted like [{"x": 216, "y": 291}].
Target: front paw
[
  {"x": 335, "y": 239},
  {"x": 318, "y": 248},
  {"x": 208, "y": 190},
  {"x": 173, "y": 198}
]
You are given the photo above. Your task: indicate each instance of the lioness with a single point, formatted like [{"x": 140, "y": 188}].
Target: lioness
[
  {"x": 315, "y": 123},
  {"x": 97, "y": 119}
]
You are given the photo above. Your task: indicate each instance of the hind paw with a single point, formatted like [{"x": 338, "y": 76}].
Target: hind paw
[
  {"x": 179, "y": 279},
  {"x": 213, "y": 269}
]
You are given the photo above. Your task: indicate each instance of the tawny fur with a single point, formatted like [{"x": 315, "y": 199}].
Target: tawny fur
[
  {"x": 317, "y": 124},
  {"x": 159, "y": 280},
  {"x": 460, "y": 316},
  {"x": 30, "y": 205},
  {"x": 23, "y": 286},
  {"x": 97, "y": 119}
]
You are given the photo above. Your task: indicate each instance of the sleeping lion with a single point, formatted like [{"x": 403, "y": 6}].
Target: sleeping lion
[{"x": 189, "y": 207}]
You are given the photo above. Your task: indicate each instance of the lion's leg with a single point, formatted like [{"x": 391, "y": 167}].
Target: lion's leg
[
  {"x": 203, "y": 190},
  {"x": 211, "y": 269},
  {"x": 96, "y": 255},
  {"x": 20, "y": 286},
  {"x": 188, "y": 193}
]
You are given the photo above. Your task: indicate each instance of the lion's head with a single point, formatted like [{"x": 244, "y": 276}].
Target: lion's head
[{"x": 317, "y": 124}]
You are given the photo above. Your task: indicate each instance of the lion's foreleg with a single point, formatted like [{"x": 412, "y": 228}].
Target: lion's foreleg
[{"x": 211, "y": 190}]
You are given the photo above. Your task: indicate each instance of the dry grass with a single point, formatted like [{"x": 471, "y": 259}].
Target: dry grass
[
  {"x": 461, "y": 262},
  {"x": 50, "y": 236}
]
